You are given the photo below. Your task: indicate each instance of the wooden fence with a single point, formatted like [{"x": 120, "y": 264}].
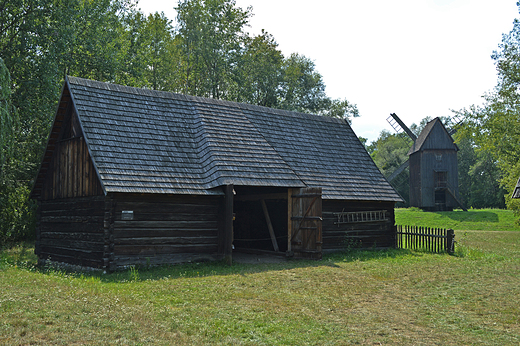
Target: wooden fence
[{"x": 425, "y": 238}]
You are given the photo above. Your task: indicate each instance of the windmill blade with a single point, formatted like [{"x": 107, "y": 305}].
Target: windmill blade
[
  {"x": 398, "y": 171},
  {"x": 457, "y": 119},
  {"x": 396, "y": 121},
  {"x": 452, "y": 131}
]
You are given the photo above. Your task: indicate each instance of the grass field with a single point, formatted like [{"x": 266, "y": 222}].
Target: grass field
[
  {"x": 391, "y": 297},
  {"x": 475, "y": 220}
]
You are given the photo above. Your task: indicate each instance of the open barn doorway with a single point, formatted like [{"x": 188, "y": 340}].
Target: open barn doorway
[{"x": 260, "y": 223}]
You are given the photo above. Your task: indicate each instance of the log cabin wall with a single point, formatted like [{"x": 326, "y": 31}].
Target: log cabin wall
[
  {"x": 71, "y": 230},
  {"x": 71, "y": 206},
  {"x": 70, "y": 215},
  {"x": 162, "y": 229},
  {"x": 340, "y": 233}
]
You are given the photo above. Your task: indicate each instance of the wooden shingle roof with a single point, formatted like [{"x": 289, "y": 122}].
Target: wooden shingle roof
[
  {"x": 433, "y": 136},
  {"x": 147, "y": 141}
]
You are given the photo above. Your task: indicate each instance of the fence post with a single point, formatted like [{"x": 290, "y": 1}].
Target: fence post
[
  {"x": 396, "y": 243},
  {"x": 450, "y": 241}
]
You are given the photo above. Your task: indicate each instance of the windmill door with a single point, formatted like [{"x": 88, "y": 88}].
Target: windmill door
[{"x": 305, "y": 218}]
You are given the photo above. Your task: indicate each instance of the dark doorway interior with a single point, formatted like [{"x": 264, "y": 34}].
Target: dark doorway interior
[
  {"x": 441, "y": 184},
  {"x": 250, "y": 228},
  {"x": 440, "y": 200}
]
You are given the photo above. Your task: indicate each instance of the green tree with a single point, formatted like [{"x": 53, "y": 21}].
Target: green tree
[
  {"x": 14, "y": 207},
  {"x": 220, "y": 60},
  {"x": 389, "y": 152},
  {"x": 303, "y": 89},
  {"x": 259, "y": 72},
  {"x": 494, "y": 127},
  {"x": 211, "y": 36},
  {"x": 479, "y": 176},
  {"x": 153, "y": 57},
  {"x": 40, "y": 41},
  {"x": 163, "y": 70},
  {"x": 207, "y": 54},
  {"x": 340, "y": 108},
  {"x": 6, "y": 117}
]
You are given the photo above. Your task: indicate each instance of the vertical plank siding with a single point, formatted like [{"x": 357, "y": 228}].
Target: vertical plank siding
[
  {"x": 305, "y": 222},
  {"x": 72, "y": 172},
  {"x": 425, "y": 238},
  {"x": 424, "y": 176},
  {"x": 377, "y": 232},
  {"x": 164, "y": 229},
  {"x": 71, "y": 230}
]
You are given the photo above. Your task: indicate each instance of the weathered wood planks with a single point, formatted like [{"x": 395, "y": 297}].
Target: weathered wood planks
[
  {"x": 163, "y": 226},
  {"x": 71, "y": 230},
  {"x": 338, "y": 237},
  {"x": 71, "y": 172}
]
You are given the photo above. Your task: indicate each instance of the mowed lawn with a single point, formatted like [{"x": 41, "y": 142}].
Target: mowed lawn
[
  {"x": 475, "y": 220},
  {"x": 391, "y": 297}
]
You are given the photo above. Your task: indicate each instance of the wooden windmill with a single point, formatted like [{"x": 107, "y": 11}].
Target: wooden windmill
[{"x": 432, "y": 160}]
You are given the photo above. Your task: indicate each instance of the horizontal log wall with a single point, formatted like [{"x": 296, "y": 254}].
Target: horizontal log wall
[
  {"x": 164, "y": 229},
  {"x": 71, "y": 231},
  {"x": 365, "y": 234}
]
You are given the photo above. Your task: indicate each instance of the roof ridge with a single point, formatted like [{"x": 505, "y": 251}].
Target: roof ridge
[
  {"x": 425, "y": 133},
  {"x": 126, "y": 89},
  {"x": 164, "y": 94}
]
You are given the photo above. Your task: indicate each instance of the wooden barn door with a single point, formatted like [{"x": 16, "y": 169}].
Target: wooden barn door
[{"x": 305, "y": 218}]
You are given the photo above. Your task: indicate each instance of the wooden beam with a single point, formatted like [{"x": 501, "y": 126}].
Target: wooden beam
[
  {"x": 398, "y": 171},
  {"x": 289, "y": 219},
  {"x": 228, "y": 225},
  {"x": 456, "y": 199},
  {"x": 404, "y": 127},
  {"x": 259, "y": 197},
  {"x": 270, "y": 226}
]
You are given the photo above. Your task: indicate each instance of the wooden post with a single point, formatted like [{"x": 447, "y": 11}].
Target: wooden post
[
  {"x": 450, "y": 241},
  {"x": 38, "y": 229},
  {"x": 228, "y": 225},
  {"x": 269, "y": 226},
  {"x": 108, "y": 234},
  {"x": 289, "y": 219}
]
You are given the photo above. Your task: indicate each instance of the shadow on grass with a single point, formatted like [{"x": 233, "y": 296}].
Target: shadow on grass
[
  {"x": 219, "y": 268},
  {"x": 23, "y": 257},
  {"x": 470, "y": 216}
]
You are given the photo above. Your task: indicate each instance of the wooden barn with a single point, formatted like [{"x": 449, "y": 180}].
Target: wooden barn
[
  {"x": 434, "y": 182},
  {"x": 133, "y": 176}
]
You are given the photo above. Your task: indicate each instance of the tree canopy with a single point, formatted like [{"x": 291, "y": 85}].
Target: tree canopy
[
  {"x": 205, "y": 52},
  {"x": 493, "y": 128}
]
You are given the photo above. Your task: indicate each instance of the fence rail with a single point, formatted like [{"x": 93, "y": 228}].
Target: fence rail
[{"x": 425, "y": 238}]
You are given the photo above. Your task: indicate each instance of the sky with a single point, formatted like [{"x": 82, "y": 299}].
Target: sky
[{"x": 415, "y": 58}]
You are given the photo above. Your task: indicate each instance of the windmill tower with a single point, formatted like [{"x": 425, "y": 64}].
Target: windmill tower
[{"x": 432, "y": 161}]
